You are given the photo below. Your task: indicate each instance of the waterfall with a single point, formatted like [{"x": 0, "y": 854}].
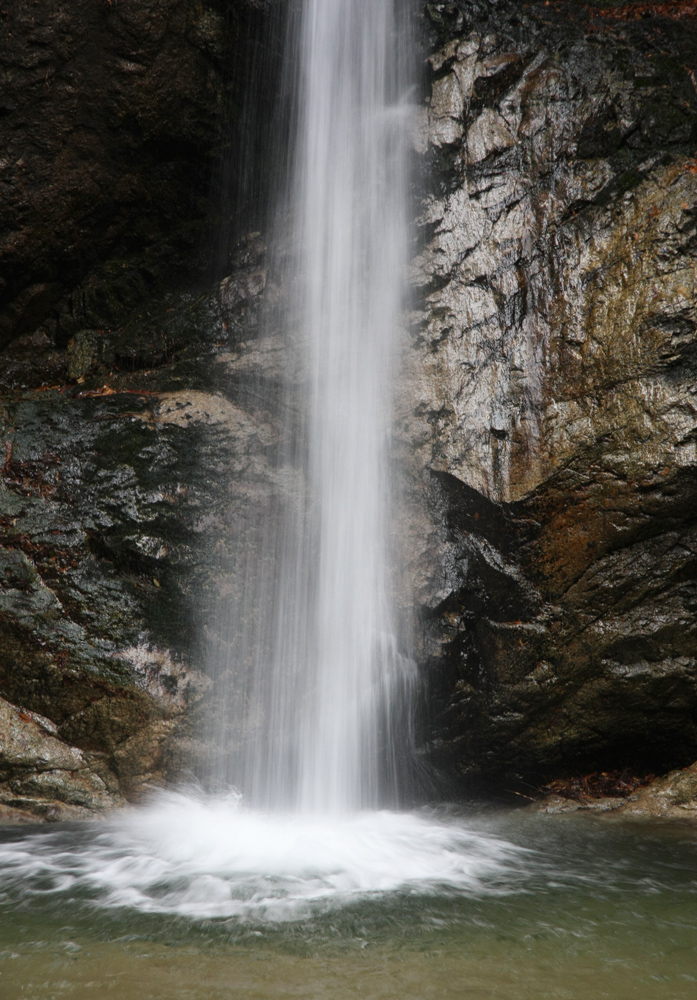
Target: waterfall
[
  {"x": 328, "y": 675},
  {"x": 313, "y": 689}
]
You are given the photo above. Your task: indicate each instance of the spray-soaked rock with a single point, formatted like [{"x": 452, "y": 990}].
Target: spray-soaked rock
[{"x": 125, "y": 493}]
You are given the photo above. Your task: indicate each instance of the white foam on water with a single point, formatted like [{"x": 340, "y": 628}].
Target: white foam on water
[{"x": 203, "y": 857}]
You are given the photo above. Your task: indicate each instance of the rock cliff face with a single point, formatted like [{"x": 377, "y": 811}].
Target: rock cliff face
[
  {"x": 120, "y": 123},
  {"x": 547, "y": 415},
  {"x": 551, "y": 411},
  {"x": 123, "y": 494}
]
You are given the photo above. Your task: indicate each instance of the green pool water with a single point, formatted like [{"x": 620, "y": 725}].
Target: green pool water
[{"x": 588, "y": 909}]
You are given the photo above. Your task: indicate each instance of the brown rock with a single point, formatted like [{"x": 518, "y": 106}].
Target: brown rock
[
  {"x": 673, "y": 797},
  {"x": 40, "y": 773}
]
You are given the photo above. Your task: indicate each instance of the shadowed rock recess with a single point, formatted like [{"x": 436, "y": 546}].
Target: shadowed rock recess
[{"x": 546, "y": 418}]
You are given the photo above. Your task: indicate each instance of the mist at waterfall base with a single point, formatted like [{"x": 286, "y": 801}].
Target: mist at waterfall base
[
  {"x": 500, "y": 905},
  {"x": 202, "y": 858}
]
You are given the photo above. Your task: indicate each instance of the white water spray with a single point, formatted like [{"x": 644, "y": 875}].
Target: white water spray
[{"x": 204, "y": 858}]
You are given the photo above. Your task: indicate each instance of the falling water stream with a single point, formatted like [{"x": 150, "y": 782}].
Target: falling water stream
[
  {"x": 300, "y": 882},
  {"x": 334, "y": 672}
]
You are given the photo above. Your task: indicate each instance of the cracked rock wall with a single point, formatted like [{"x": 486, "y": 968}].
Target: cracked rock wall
[
  {"x": 129, "y": 505},
  {"x": 549, "y": 411}
]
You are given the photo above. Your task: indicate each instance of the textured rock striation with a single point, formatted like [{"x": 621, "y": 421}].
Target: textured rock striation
[
  {"x": 129, "y": 501},
  {"x": 550, "y": 403}
]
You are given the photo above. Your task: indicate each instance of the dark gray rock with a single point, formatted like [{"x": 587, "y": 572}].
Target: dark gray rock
[
  {"x": 128, "y": 501},
  {"x": 116, "y": 123},
  {"x": 128, "y": 132}
]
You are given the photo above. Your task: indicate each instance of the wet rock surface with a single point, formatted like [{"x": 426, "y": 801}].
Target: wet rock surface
[
  {"x": 549, "y": 410},
  {"x": 129, "y": 498},
  {"x": 116, "y": 121},
  {"x": 41, "y": 776},
  {"x": 673, "y": 797},
  {"x": 132, "y": 448}
]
